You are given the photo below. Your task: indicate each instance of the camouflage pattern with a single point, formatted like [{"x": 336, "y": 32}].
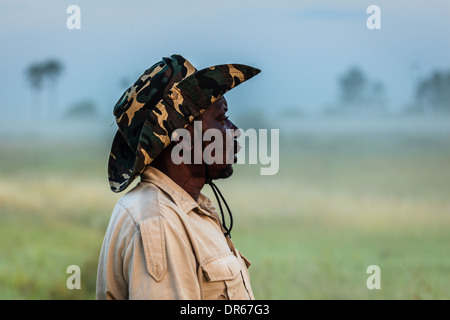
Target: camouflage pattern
[{"x": 168, "y": 96}]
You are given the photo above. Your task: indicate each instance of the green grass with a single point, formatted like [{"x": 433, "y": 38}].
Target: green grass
[{"x": 337, "y": 205}]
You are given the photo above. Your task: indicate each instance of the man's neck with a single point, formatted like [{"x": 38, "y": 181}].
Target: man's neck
[
  {"x": 182, "y": 175},
  {"x": 192, "y": 185}
]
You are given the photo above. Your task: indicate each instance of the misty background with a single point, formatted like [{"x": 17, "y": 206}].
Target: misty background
[{"x": 318, "y": 60}]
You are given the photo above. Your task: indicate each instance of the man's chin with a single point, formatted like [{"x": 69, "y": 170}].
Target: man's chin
[{"x": 224, "y": 172}]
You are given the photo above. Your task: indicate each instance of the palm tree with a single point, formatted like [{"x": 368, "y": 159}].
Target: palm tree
[
  {"x": 35, "y": 76},
  {"x": 40, "y": 73},
  {"x": 52, "y": 70}
]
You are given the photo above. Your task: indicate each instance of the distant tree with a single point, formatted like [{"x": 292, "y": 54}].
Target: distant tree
[
  {"x": 45, "y": 73},
  {"x": 83, "y": 109},
  {"x": 52, "y": 71},
  {"x": 433, "y": 93},
  {"x": 35, "y": 76},
  {"x": 358, "y": 92},
  {"x": 377, "y": 95},
  {"x": 353, "y": 86}
]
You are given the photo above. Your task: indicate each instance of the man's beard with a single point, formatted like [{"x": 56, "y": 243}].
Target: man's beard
[{"x": 223, "y": 173}]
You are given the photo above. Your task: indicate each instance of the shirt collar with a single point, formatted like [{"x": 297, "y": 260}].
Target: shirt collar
[{"x": 179, "y": 196}]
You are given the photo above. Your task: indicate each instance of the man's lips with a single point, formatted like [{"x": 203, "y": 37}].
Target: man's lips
[{"x": 237, "y": 147}]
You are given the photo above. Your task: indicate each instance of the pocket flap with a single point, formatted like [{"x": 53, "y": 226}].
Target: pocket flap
[
  {"x": 154, "y": 241},
  {"x": 225, "y": 267}
]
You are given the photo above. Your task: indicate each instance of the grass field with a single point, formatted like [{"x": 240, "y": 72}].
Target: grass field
[{"x": 340, "y": 203}]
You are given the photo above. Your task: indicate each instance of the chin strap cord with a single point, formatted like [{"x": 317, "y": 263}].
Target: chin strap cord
[{"x": 217, "y": 193}]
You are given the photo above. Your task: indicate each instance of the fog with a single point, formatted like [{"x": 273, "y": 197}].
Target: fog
[{"x": 303, "y": 49}]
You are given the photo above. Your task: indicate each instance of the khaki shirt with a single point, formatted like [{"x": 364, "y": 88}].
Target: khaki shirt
[{"x": 161, "y": 244}]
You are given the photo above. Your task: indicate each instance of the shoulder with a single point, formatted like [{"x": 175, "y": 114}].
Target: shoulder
[{"x": 144, "y": 201}]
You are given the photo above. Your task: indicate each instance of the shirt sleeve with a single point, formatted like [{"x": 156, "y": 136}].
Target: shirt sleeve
[
  {"x": 159, "y": 264},
  {"x": 149, "y": 260}
]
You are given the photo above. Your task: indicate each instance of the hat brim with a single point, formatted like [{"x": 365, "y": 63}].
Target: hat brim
[{"x": 207, "y": 85}]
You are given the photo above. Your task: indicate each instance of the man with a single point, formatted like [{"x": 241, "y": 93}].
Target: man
[{"x": 165, "y": 240}]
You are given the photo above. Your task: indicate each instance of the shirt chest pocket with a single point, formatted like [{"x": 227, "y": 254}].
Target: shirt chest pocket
[{"x": 224, "y": 279}]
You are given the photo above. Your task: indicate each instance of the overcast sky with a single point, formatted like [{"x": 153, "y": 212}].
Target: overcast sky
[{"x": 302, "y": 47}]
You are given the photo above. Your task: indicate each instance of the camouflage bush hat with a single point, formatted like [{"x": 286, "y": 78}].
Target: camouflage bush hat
[{"x": 168, "y": 96}]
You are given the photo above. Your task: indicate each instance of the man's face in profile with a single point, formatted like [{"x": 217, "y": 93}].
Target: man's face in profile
[{"x": 215, "y": 117}]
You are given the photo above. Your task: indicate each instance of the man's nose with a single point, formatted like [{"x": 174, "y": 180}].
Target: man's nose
[{"x": 236, "y": 130}]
